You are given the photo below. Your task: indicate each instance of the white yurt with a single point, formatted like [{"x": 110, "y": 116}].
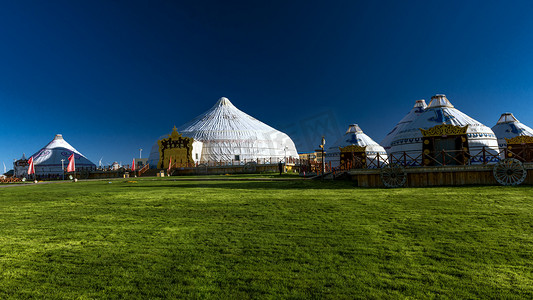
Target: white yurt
[
  {"x": 47, "y": 161},
  {"x": 229, "y": 135},
  {"x": 444, "y": 121},
  {"x": 509, "y": 127},
  {"x": 417, "y": 109},
  {"x": 354, "y": 136}
]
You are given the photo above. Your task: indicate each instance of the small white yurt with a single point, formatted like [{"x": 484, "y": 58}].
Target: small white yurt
[
  {"x": 509, "y": 127},
  {"x": 443, "y": 127},
  {"x": 355, "y": 140},
  {"x": 416, "y": 111},
  {"x": 47, "y": 161},
  {"x": 230, "y": 135}
]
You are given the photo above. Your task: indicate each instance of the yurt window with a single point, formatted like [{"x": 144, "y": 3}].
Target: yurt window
[{"x": 237, "y": 157}]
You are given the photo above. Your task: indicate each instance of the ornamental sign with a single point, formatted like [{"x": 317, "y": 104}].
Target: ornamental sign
[
  {"x": 444, "y": 130},
  {"x": 520, "y": 140}
]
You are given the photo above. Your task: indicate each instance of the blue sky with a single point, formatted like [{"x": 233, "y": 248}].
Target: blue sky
[{"x": 112, "y": 76}]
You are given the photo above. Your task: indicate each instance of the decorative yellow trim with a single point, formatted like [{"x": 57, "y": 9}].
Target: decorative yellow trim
[
  {"x": 176, "y": 146},
  {"x": 353, "y": 148},
  {"x": 521, "y": 139},
  {"x": 444, "y": 130}
]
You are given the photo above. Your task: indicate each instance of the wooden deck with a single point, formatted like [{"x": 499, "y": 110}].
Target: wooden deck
[{"x": 437, "y": 176}]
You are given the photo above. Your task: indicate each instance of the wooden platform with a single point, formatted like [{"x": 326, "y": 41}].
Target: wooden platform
[{"x": 437, "y": 176}]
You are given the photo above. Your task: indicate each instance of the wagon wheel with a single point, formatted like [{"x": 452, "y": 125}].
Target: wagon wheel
[
  {"x": 509, "y": 171},
  {"x": 393, "y": 176},
  {"x": 250, "y": 167}
]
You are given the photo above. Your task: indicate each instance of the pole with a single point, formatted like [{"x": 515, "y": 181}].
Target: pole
[
  {"x": 63, "y": 167},
  {"x": 322, "y": 145},
  {"x": 323, "y": 162},
  {"x": 285, "y": 158},
  {"x": 140, "y": 153}
]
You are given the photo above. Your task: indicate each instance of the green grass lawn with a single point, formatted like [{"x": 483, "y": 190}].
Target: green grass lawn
[{"x": 249, "y": 239}]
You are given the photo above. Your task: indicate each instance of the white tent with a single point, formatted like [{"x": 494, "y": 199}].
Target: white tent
[
  {"x": 440, "y": 111},
  {"x": 228, "y": 134},
  {"x": 47, "y": 161},
  {"x": 356, "y": 137},
  {"x": 418, "y": 109},
  {"x": 509, "y": 127}
]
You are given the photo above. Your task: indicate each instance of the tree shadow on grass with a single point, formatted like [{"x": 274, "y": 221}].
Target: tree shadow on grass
[{"x": 252, "y": 185}]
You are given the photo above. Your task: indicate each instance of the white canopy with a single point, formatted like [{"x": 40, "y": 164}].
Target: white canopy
[
  {"x": 48, "y": 159},
  {"x": 228, "y": 134},
  {"x": 354, "y": 136},
  {"x": 417, "y": 109},
  {"x": 509, "y": 127},
  {"x": 441, "y": 111}
]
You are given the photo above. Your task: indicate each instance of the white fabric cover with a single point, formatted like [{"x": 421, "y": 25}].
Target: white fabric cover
[
  {"x": 417, "y": 109},
  {"x": 226, "y": 131},
  {"x": 441, "y": 111},
  {"x": 509, "y": 127},
  {"x": 48, "y": 159},
  {"x": 355, "y": 136}
]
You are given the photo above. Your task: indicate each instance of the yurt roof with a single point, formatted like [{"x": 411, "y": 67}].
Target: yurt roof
[
  {"x": 508, "y": 126},
  {"x": 58, "y": 149},
  {"x": 441, "y": 111},
  {"x": 223, "y": 119},
  {"x": 355, "y": 136},
  {"x": 417, "y": 109}
]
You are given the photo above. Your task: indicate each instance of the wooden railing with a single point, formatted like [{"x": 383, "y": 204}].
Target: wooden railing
[
  {"x": 524, "y": 153},
  {"x": 144, "y": 169},
  {"x": 409, "y": 159}
]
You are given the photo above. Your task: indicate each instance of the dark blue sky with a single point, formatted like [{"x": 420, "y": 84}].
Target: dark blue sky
[{"x": 113, "y": 76}]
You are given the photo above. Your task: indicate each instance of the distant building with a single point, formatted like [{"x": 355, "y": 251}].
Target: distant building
[
  {"x": 52, "y": 159},
  {"x": 20, "y": 167}
]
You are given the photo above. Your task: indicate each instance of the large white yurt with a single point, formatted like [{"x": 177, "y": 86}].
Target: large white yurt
[
  {"x": 354, "y": 136},
  {"x": 47, "y": 161},
  {"x": 417, "y": 109},
  {"x": 509, "y": 127},
  {"x": 230, "y": 135},
  {"x": 444, "y": 124}
]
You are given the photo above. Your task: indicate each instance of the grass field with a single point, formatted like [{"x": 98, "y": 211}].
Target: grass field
[{"x": 264, "y": 239}]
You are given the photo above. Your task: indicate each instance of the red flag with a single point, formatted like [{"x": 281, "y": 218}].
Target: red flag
[
  {"x": 170, "y": 164},
  {"x": 133, "y": 165},
  {"x": 31, "y": 167},
  {"x": 71, "y": 163}
]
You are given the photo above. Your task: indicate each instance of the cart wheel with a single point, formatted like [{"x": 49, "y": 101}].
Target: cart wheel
[
  {"x": 393, "y": 176},
  {"x": 509, "y": 171}
]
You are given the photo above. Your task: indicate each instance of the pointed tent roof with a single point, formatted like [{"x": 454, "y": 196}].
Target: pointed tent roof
[
  {"x": 439, "y": 100},
  {"x": 51, "y": 154},
  {"x": 441, "y": 111},
  {"x": 417, "y": 109},
  {"x": 355, "y": 136},
  {"x": 227, "y": 131},
  {"x": 509, "y": 127}
]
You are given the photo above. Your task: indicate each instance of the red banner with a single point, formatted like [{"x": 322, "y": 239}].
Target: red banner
[
  {"x": 31, "y": 167},
  {"x": 71, "y": 163}
]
